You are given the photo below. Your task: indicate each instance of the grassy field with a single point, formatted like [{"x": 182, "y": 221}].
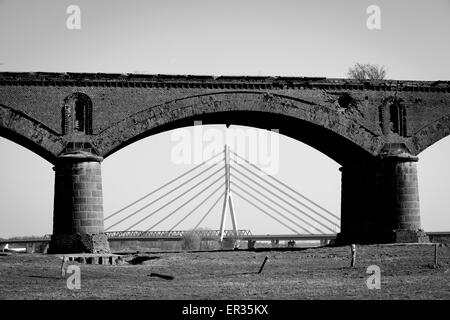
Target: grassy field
[{"x": 407, "y": 272}]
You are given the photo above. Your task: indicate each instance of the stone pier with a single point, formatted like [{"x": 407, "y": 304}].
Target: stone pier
[
  {"x": 398, "y": 196},
  {"x": 78, "y": 205},
  {"x": 380, "y": 199}
]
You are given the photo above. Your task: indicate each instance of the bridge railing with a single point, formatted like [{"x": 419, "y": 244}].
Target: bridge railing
[
  {"x": 175, "y": 234},
  {"x": 209, "y": 234}
]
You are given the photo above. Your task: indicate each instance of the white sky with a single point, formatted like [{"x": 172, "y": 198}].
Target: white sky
[{"x": 280, "y": 38}]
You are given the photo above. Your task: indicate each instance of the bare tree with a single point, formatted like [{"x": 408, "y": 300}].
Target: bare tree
[
  {"x": 366, "y": 72},
  {"x": 191, "y": 241},
  {"x": 207, "y": 244}
]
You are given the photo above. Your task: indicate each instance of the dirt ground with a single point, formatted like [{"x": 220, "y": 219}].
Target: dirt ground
[{"x": 407, "y": 272}]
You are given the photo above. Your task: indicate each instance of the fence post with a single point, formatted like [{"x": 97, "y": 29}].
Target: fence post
[
  {"x": 436, "y": 254},
  {"x": 353, "y": 249},
  {"x": 63, "y": 271},
  {"x": 264, "y": 262}
]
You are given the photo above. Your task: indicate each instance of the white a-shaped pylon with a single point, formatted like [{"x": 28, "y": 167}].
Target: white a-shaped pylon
[{"x": 228, "y": 199}]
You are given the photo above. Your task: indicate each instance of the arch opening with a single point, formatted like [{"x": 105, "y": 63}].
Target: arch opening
[
  {"x": 433, "y": 179},
  {"x": 24, "y": 175},
  {"x": 149, "y": 165}
]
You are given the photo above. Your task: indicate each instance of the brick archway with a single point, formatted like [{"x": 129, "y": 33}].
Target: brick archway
[
  {"x": 335, "y": 134},
  {"x": 30, "y": 133},
  {"x": 431, "y": 134}
]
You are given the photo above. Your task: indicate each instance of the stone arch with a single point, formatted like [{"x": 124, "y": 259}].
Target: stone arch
[
  {"x": 30, "y": 133},
  {"x": 431, "y": 133},
  {"x": 331, "y": 132},
  {"x": 76, "y": 114}
]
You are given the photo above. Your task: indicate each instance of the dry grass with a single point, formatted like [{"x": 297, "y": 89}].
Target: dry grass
[{"x": 407, "y": 272}]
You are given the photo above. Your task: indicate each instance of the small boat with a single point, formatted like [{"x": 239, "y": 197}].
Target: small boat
[{"x": 6, "y": 248}]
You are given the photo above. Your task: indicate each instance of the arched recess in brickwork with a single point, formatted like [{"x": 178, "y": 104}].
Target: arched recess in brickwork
[
  {"x": 76, "y": 114},
  {"x": 431, "y": 134},
  {"x": 335, "y": 134},
  {"x": 392, "y": 117},
  {"x": 30, "y": 133},
  {"x": 397, "y": 114}
]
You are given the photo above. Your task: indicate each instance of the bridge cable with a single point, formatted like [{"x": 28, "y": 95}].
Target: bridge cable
[
  {"x": 173, "y": 200},
  {"x": 278, "y": 204},
  {"x": 209, "y": 210},
  {"x": 293, "y": 206},
  {"x": 163, "y": 186},
  {"x": 193, "y": 210},
  {"x": 206, "y": 188},
  {"x": 274, "y": 210},
  {"x": 265, "y": 212},
  {"x": 288, "y": 187},
  {"x": 164, "y": 195},
  {"x": 284, "y": 200},
  {"x": 288, "y": 195}
]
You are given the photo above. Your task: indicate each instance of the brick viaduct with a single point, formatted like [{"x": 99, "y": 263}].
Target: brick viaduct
[{"x": 374, "y": 130}]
